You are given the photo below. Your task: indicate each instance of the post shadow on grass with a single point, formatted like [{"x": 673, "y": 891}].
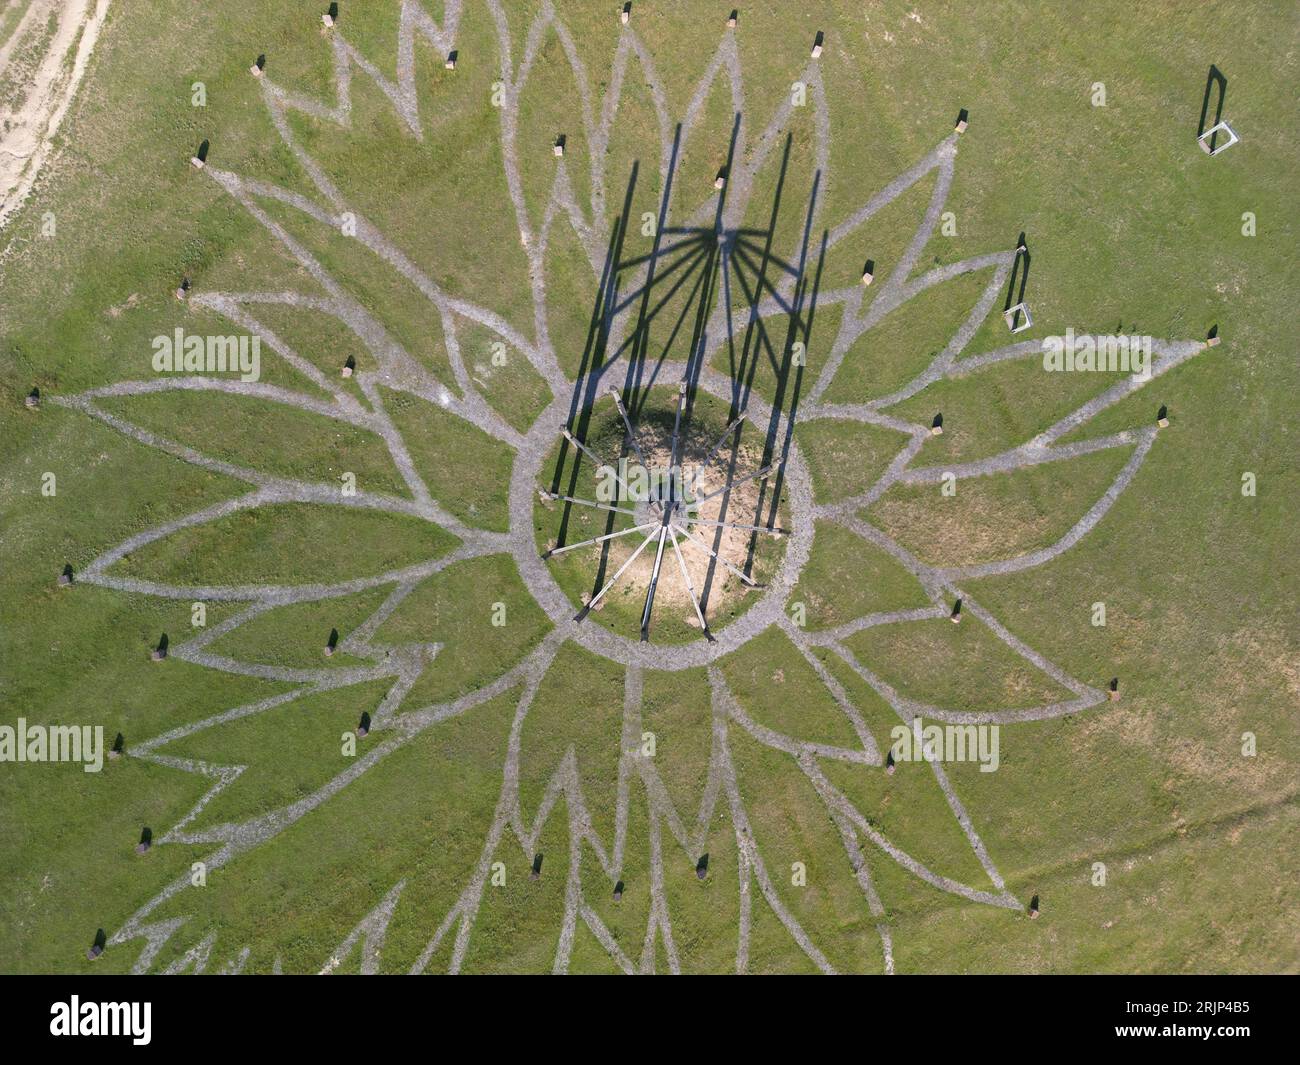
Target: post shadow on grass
[
  {"x": 536, "y": 872},
  {"x": 332, "y": 643},
  {"x": 579, "y": 418},
  {"x": 202, "y": 154},
  {"x": 603, "y": 310},
  {"x": 702, "y": 867},
  {"x": 800, "y": 329},
  {"x": 749, "y": 253},
  {"x": 771, "y": 455},
  {"x": 146, "y": 840},
  {"x": 97, "y": 947},
  {"x": 1018, "y": 280},
  {"x": 679, "y": 257},
  {"x": 701, "y": 250},
  {"x": 703, "y": 299},
  {"x": 618, "y": 891},
  {"x": 363, "y": 726},
  {"x": 744, "y": 250},
  {"x": 713, "y": 241},
  {"x": 735, "y": 251},
  {"x": 1214, "y": 79},
  {"x": 119, "y": 745},
  {"x": 160, "y": 652},
  {"x": 596, "y": 355}
]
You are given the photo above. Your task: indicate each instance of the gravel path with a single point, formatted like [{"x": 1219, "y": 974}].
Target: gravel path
[{"x": 397, "y": 370}]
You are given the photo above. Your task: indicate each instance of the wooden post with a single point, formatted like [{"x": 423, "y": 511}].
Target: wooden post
[
  {"x": 962, "y": 116},
  {"x": 817, "y": 45}
]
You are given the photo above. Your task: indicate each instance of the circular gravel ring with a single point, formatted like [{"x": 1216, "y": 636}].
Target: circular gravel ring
[{"x": 524, "y": 485}]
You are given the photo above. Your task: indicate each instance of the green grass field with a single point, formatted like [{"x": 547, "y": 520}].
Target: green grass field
[{"x": 403, "y": 232}]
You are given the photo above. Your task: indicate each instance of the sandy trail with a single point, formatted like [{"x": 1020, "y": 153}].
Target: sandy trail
[{"x": 28, "y": 129}]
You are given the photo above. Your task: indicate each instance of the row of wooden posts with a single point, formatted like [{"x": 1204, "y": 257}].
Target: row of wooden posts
[
  {"x": 535, "y": 872},
  {"x": 330, "y": 18}
]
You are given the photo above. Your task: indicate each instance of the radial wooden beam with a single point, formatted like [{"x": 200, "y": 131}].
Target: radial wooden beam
[
  {"x": 691, "y": 538},
  {"x": 588, "y": 503},
  {"x": 654, "y": 580},
  {"x": 631, "y": 433},
  {"x": 714, "y": 449},
  {"x": 599, "y": 539},
  {"x": 581, "y": 614},
  {"x": 755, "y": 476},
  {"x": 771, "y": 530},
  {"x": 690, "y": 587},
  {"x": 564, "y": 431}
]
